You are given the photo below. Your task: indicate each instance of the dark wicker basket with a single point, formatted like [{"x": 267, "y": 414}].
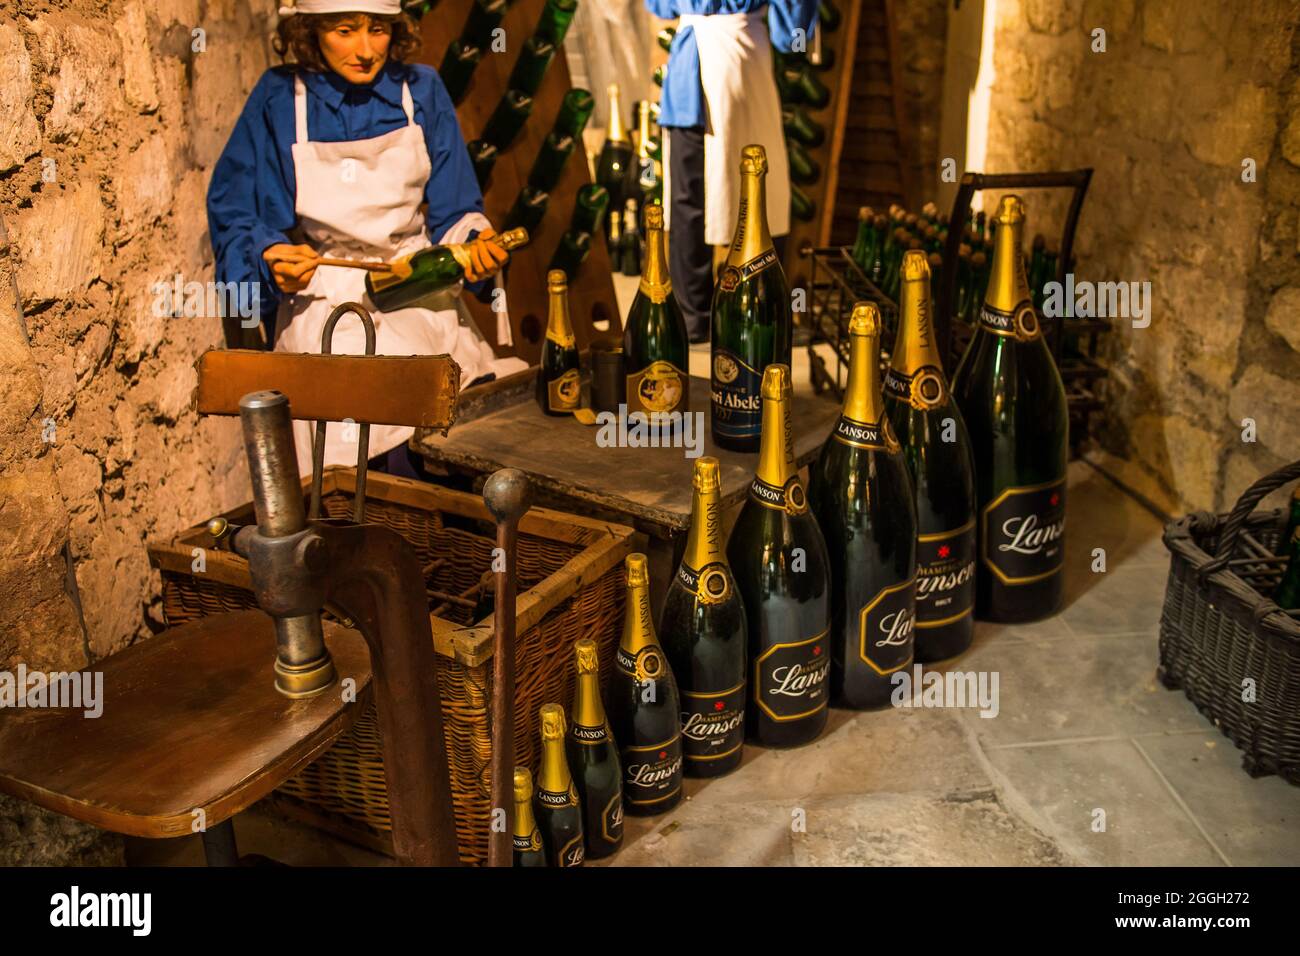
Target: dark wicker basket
[{"x": 1220, "y": 628}]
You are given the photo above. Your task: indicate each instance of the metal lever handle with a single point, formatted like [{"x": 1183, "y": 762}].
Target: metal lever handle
[{"x": 363, "y": 437}]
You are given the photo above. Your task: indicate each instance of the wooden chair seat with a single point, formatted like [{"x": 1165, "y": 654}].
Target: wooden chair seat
[{"x": 191, "y": 720}]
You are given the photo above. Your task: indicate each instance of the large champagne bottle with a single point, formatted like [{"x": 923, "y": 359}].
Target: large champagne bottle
[
  {"x": 751, "y": 321},
  {"x": 559, "y": 381},
  {"x": 527, "y": 839},
  {"x": 1287, "y": 594},
  {"x": 615, "y": 155},
  {"x": 559, "y": 813},
  {"x": 654, "y": 334},
  {"x": 930, "y": 428},
  {"x": 422, "y": 273},
  {"x": 861, "y": 493},
  {"x": 704, "y": 634},
  {"x": 593, "y": 758},
  {"x": 1012, "y": 399},
  {"x": 644, "y": 705},
  {"x": 779, "y": 560}
]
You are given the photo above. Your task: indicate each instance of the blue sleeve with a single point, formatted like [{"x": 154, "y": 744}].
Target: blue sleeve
[
  {"x": 786, "y": 16},
  {"x": 251, "y": 197},
  {"x": 663, "y": 9},
  {"x": 452, "y": 189}
]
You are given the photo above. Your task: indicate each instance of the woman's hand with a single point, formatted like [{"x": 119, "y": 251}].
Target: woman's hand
[
  {"x": 486, "y": 258},
  {"x": 291, "y": 266}
]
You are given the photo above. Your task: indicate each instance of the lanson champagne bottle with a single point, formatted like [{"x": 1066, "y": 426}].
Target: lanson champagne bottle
[
  {"x": 644, "y": 705},
  {"x": 559, "y": 384},
  {"x": 704, "y": 633},
  {"x": 654, "y": 335},
  {"x": 779, "y": 560},
  {"x": 559, "y": 812},
  {"x": 751, "y": 321},
  {"x": 411, "y": 278},
  {"x": 593, "y": 758},
  {"x": 615, "y": 158},
  {"x": 930, "y": 428},
  {"x": 527, "y": 840},
  {"x": 861, "y": 494},
  {"x": 1012, "y": 399}
]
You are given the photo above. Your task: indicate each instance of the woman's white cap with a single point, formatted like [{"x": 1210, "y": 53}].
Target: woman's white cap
[{"x": 389, "y": 7}]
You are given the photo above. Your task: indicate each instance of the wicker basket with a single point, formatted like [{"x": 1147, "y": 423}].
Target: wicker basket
[
  {"x": 570, "y": 586},
  {"x": 1220, "y": 628}
]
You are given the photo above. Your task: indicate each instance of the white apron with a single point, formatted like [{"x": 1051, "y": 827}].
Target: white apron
[
  {"x": 361, "y": 200},
  {"x": 741, "y": 106}
]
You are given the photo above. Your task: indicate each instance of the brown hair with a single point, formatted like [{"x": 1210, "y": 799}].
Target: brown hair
[{"x": 295, "y": 37}]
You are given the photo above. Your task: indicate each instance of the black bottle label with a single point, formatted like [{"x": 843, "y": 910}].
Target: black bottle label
[
  {"x": 736, "y": 396},
  {"x": 652, "y": 774},
  {"x": 790, "y": 499},
  {"x": 644, "y": 665},
  {"x": 886, "y": 624},
  {"x": 713, "y": 725},
  {"x": 790, "y": 679},
  {"x": 1022, "y": 324},
  {"x": 923, "y": 390},
  {"x": 710, "y": 585},
  {"x": 528, "y": 844},
  {"x": 572, "y": 853},
  {"x": 732, "y": 276},
  {"x": 611, "y": 819},
  {"x": 1023, "y": 533},
  {"x": 590, "y": 735},
  {"x": 555, "y": 798},
  {"x": 945, "y": 576},
  {"x": 876, "y": 436}
]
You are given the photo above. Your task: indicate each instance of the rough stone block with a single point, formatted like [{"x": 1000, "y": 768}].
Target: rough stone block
[
  {"x": 86, "y": 76},
  {"x": 137, "y": 58},
  {"x": 60, "y": 243},
  {"x": 1274, "y": 403},
  {"x": 20, "y": 134},
  {"x": 1283, "y": 315}
]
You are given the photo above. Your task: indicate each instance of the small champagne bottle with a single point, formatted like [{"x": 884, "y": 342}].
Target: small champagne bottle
[
  {"x": 527, "y": 839},
  {"x": 558, "y": 809},
  {"x": 559, "y": 381}
]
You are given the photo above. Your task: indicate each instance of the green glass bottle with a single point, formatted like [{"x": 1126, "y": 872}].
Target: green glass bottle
[
  {"x": 647, "y": 174},
  {"x": 575, "y": 111},
  {"x": 526, "y": 839},
  {"x": 530, "y": 68},
  {"x": 660, "y": 74},
  {"x": 1287, "y": 594},
  {"x": 427, "y": 271},
  {"x": 484, "y": 157},
  {"x": 484, "y": 17},
  {"x": 593, "y": 758},
  {"x": 655, "y": 346},
  {"x": 508, "y": 118},
  {"x": 779, "y": 560},
  {"x": 665, "y": 38},
  {"x": 644, "y": 706},
  {"x": 556, "y": 18},
  {"x": 556, "y": 804},
  {"x": 1010, "y": 394},
  {"x": 751, "y": 323},
  {"x": 801, "y": 207},
  {"x": 801, "y": 128},
  {"x": 548, "y": 167},
  {"x": 589, "y": 209},
  {"x": 704, "y": 633},
  {"x": 571, "y": 253},
  {"x": 861, "y": 493},
  {"x": 1292, "y": 522},
  {"x": 861, "y": 240},
  {"x": 559, "y": 376},
  {"x": 828, "y": 16},
  {"x": 629, "y": 249},
  {"x": 529, "y": 209},
  {"x": 929, "y": 426},
  {"x": 811, "y": 90},
  {"x": 458, "y": 68},
  {"x": 803, "y": 168}
]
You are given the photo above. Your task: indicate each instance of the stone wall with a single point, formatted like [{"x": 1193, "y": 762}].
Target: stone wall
[
  {"x": 1184, "y": 94},
  {"x": 112, "y": 114}
]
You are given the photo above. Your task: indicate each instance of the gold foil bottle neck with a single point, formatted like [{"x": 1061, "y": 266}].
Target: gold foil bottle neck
[
  {"x": 776, "y": 446},
  {"x": 707, "y": 475},
  {"x": 776, "y": 382},
  {"x": 1008, "y": 285},
  {"x": 557, "y": 281},
  {"x": 637, "y": 575},
  {"x": 916, "y": 268},
  {"x": 552, "y": 722},
  {"x": 585, "y": 657},
  {"x": 753, "y": 160},
  {"x": 654, "y": 216},
  {"x": 1011, "y": 210},
  {"x": 559, "y": 327},
  {"x": 523, "y": 785},
  {"x": 914, "y": 345},
  {"x": 865, "y": 320},
  {"x": 511, "y": 238},
  {"x": 617, "y": 132}
]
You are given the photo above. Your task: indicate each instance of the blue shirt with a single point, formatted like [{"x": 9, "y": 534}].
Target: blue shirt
[
  {"x": 253, "y": 192},
  {"x": 682, "y": 100}
]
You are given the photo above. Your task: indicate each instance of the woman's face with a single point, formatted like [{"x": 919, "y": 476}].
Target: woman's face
[{"x": 356, "y": 46}]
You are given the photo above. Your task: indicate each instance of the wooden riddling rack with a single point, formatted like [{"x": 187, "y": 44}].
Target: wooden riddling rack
[{"x": 591, "y": 291}]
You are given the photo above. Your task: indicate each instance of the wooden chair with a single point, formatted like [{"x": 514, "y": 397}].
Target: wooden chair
[{"x": 193, "y": 729}]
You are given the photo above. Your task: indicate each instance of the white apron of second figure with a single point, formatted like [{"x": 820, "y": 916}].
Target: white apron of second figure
[
  {"x": 742, "y": 107},
  {"x": 361, "y": 200}
]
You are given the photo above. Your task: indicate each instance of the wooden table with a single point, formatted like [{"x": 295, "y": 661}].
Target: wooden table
[{"x": 500, "y": 426}]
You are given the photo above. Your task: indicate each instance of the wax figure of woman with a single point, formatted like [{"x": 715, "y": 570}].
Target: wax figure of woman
[
  {"x": 719, "y": 97},
  {"x": 335, "y": 154}
]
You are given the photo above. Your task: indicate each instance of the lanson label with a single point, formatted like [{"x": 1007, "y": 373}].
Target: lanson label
[
  {"x": 790, "y": 679},
  {"x": 885, "y": 635},
  {"x": 713, "y": 725},
  {"x": 945, "y": 576},
  {"x": 1023, "y": 533},
  {"x": 652, "y": 774}
]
